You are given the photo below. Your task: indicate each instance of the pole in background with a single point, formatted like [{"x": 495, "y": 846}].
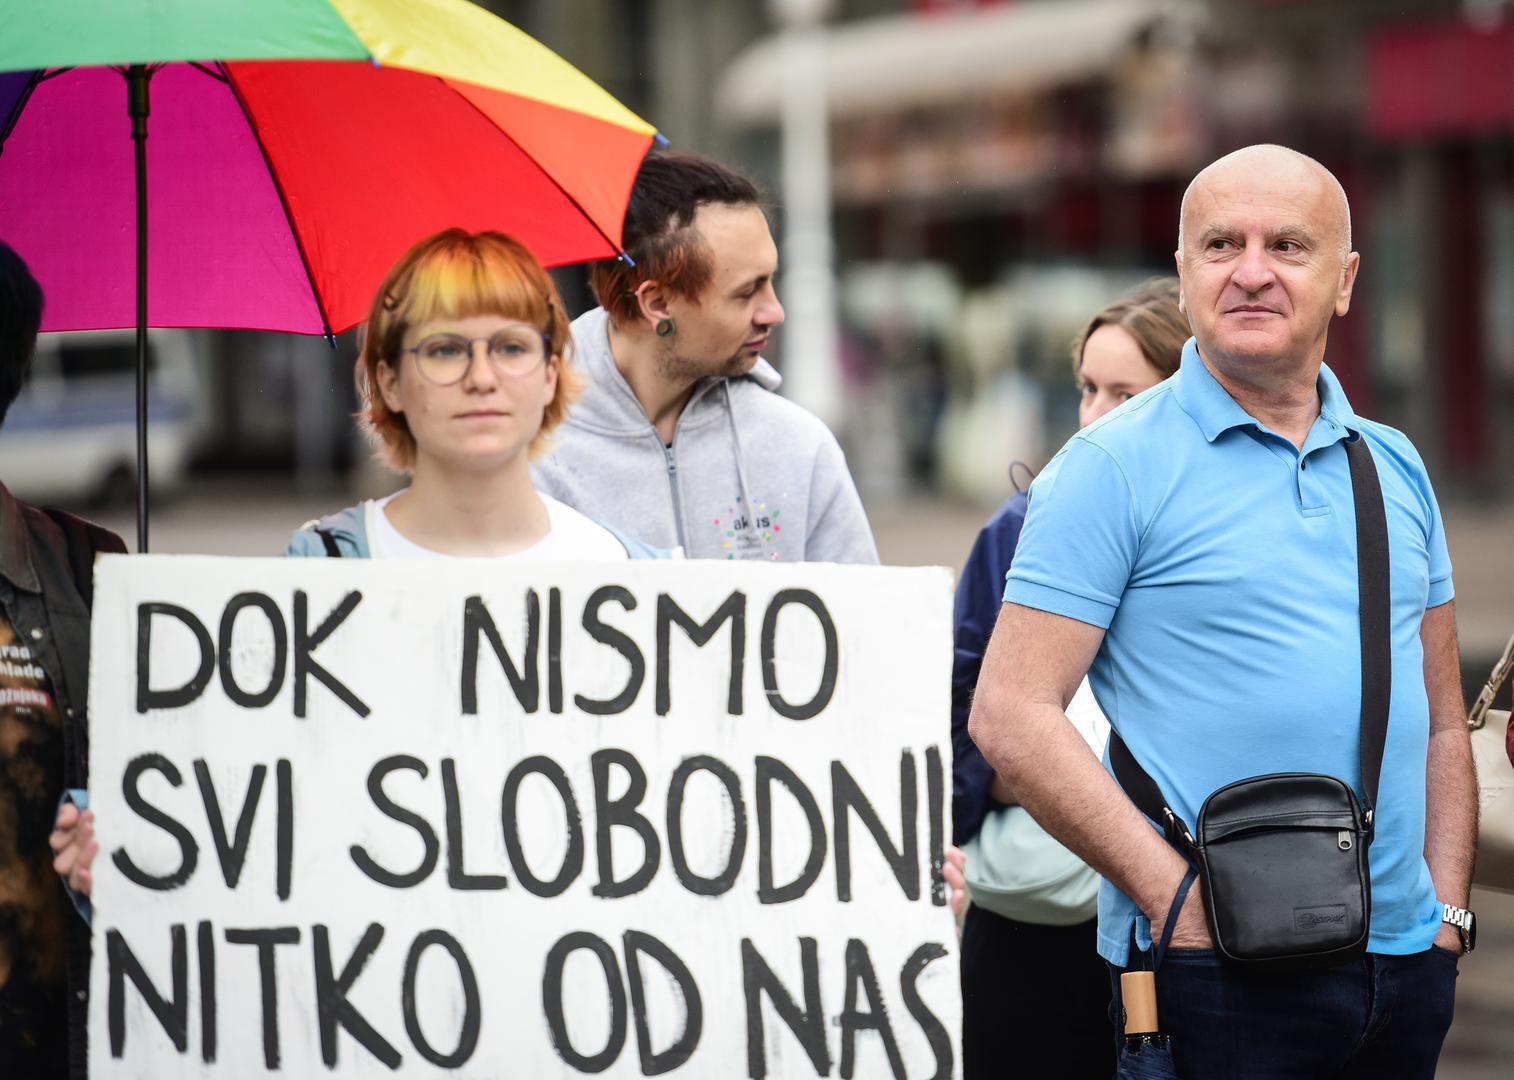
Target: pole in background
[
  {"x": 811, "y": 341},
  {"x": 136, "y": 105}
]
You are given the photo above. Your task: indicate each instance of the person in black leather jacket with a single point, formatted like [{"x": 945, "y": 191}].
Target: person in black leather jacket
[{"x": 44, "y": 659}]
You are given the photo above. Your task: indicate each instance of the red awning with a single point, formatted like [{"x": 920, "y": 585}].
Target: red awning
[{"x": 1440, "y": 79}]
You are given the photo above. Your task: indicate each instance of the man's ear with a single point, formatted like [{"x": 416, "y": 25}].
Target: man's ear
[
  {"x": 1348, "y": 282},
  {"x": 652, "y": 301},
  {"x": 1177, "y": 259}
]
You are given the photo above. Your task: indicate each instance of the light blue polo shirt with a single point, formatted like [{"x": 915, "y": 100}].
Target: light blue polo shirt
[{"x": 1221, "y": 561}]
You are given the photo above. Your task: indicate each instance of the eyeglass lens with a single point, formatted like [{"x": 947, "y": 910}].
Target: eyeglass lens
[{"x": 444, "y": 358}]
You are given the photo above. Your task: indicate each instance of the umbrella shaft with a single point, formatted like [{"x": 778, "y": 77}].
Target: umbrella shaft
[
  {"x": 137, "y": 107},
  {"x": 136, "y": 99}
]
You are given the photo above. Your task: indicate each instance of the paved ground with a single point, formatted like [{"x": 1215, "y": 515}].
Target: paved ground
[{"x": 248, "y": 519}]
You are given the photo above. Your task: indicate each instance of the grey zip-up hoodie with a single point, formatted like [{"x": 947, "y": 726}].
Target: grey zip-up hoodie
[{"x": 750, "y": 475}]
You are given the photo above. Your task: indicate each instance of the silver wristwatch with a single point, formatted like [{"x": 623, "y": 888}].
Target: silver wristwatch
[{"x": 1465, "y": 923}]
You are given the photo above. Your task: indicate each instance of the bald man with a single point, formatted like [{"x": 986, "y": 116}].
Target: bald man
[{"x": 1194, "y": 553}]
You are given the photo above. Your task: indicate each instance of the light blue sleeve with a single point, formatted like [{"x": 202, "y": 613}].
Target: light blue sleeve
[
  {"x": 634, "y": 547},
  {"x": 1080, "y": 539},
  {"x": 1399, "y": 447},
  {"x": 1442, "y": 589},
  {"x": 304, "y": 544}
]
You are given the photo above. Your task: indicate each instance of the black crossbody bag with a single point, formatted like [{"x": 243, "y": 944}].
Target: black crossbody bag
[{"x": 1282, "y": 858}]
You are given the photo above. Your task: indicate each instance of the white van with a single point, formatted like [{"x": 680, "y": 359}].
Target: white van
[{"x": 71, "y": 436}]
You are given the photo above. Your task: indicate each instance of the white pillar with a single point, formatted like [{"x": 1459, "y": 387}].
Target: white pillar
[{"x": 811, "y": 342}]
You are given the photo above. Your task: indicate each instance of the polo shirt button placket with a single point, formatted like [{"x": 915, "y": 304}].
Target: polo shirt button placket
[{"x": 1311, "y": 499}]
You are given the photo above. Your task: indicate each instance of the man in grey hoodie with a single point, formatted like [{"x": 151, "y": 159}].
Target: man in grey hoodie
[{"x": 680, "y": 439}]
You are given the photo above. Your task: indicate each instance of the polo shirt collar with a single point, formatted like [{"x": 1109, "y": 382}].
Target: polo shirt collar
[
  {"x": 1212, "y": 408},
  {"x": 1333, "y": 404}
]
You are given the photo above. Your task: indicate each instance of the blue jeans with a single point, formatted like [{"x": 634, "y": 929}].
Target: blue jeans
[{"x": 1368, "y": 1019}]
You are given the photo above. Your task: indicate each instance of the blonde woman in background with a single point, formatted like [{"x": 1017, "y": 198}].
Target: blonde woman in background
[{"x": 1020, "y": 975}]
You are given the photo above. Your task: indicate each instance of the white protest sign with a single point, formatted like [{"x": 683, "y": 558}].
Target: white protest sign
[{"x": 457, "y": 818}]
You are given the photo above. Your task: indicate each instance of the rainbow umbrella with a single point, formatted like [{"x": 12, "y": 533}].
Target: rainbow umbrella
[{"x": 277, "y": 156}]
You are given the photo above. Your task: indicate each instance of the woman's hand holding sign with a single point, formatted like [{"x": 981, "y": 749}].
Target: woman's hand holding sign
[{"x": 74, "y": 847}]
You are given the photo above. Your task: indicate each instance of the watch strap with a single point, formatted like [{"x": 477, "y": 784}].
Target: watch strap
[{"x": 1465, "y": 923}]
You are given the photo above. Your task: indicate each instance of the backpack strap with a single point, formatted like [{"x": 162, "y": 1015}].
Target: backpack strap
[{"x": 329, "y": 542}]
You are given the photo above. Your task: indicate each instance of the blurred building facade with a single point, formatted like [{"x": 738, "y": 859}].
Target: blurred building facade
[{"x": 1000, "y": 169}]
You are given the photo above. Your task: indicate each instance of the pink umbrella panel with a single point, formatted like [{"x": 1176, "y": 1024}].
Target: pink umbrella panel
[{"x": 280, "y": 191}]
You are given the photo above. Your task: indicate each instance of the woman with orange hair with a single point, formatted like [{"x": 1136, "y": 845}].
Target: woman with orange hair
[{"x": 465, "y": 370}]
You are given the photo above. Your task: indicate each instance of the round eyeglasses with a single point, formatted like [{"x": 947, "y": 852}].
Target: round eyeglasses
[{"x": 444, "y": 359}]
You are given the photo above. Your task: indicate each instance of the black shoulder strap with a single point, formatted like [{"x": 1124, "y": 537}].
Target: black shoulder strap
[
  {"x": 329, "y": 541},
  {"x": 1374, "y": 616},
  {"x": 1147, "y": 795},
  {"x": 1374, "y": 603},
  {"x": 82, "y": 541}
]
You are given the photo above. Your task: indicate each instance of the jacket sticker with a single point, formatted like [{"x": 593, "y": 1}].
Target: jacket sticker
[{"x": 749, "y": 536}]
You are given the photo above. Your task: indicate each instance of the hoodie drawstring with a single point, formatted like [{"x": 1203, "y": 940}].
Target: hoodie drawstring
[{"x": 746, "y": 498}]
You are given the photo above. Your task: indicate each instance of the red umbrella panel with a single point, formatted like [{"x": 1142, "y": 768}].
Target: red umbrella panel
[{"x": 279, "y": 192}]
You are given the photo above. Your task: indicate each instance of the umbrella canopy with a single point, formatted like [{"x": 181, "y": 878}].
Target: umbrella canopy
[
  {"x": 299, "y": 147},
  {"x": 280, "y": 190}
]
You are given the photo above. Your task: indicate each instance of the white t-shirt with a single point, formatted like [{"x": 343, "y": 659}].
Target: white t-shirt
[
  {"x": 1088, "y": 718},
  {"x": 570, "y": 535}
]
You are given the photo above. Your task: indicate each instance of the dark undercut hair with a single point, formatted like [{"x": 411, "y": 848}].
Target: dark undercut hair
[
  {"x": 659, "y": 233},
  {"x": 20, "y": 319}
]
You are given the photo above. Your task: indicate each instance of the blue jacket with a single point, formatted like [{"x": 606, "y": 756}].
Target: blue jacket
[
  {"x": 980, "y": 594},
  {"x": 347, "y": 528}
]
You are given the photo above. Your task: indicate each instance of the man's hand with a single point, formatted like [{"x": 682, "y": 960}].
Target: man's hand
[
  {"x": 1034, "y": 663},
  {"x": 74, "y": 847},
  {"x": 1191, "y": 931},
  {"x": 954, "y": 871},
  {"x": 1449, "y": 938}
]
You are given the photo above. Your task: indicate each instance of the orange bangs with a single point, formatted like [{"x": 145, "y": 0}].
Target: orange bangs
[{"x": 456, "y": 275}]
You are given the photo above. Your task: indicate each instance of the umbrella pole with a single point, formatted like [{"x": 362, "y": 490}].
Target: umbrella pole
[{"x": 136, "y": 95}]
